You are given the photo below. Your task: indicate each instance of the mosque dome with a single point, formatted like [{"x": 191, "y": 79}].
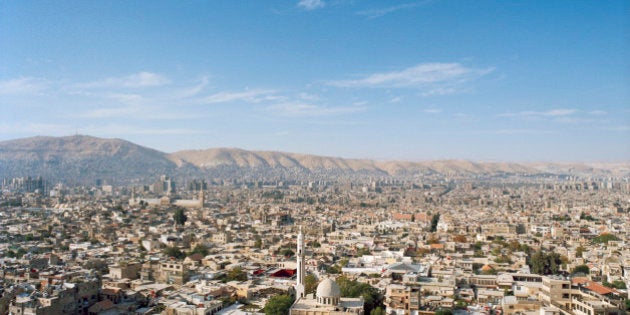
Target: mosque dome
[{"x": 328, "y": 292}]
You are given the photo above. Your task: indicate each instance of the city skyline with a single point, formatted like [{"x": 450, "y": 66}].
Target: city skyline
[{"x": 415, "y": 80}]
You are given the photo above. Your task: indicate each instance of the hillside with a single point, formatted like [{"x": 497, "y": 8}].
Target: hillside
[
  {"x": 211, "y": 158},
  {"x": 83, "y": 159}
]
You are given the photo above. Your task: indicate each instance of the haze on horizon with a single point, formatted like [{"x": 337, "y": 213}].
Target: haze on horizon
[{"x": 395, "y": 80}]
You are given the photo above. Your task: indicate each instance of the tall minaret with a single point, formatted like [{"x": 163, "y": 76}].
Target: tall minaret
[{"x": 299, "y": 286}]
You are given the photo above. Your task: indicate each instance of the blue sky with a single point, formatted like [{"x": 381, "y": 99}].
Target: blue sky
[{"x": 411, "y": 80}]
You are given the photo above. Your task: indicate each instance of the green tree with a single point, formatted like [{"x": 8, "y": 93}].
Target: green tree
[
  {"x": 179, "y": 216},
  {"x": 605, "y": 238},
  {"x": 619, "y": 284},
  {"x": 174, "y": 252},
  {"x": 236, "y": 274},
  {"x": 287, "y": 252},
  {"x": 200, "y": 249},
  {"x": 377, "y": 311},
  {"x": 520, "y": 229},
  {"x": 310, "y": 283},
  {"x": 545, "y": 263},
  {"x": 278, "y": 305},
  {"x": 258, "y": 242},
  {"x": 581, "y": 269},
  {"x": 343, "y": 262},
  {"x": 352, "y": 288},
  {"x": 579, "y": 251},
  {"x": 434, "y": 222},
  {"x": 444, "y": 311}
]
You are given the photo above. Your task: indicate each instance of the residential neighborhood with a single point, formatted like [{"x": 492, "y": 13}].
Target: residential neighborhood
[{"x": 374, "y": 246}]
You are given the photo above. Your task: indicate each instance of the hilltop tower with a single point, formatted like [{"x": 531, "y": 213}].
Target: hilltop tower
[{"x": 299, "y": 286}]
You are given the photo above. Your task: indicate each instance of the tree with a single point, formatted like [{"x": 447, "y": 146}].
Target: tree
[
  {"x": 352, "y": 288},
  {"x": 200, "y": 249},
  {"x": 278, "y": 305},
  {"x": 310, "y": 283},
  {"x": 605, "y": 238},
  {"x": 258, "y": 242},
  {"x": 287, "y": 252},
  {"x": 174, "y": 252},
  {"x": 236, "y": 274},
  {"x": 619, "y": 284},
  {"x": 444, "y": 311},
  {"x": 377, "y": 311},
  {"x": 581, "y": 269},
  {"x": 434, "y": 222},
  {"x": 545, "y": 263},
  {"x": 179, "y": 216},
  {"x": 520, "y": 229},
  {"x": 579, "y": 251}
]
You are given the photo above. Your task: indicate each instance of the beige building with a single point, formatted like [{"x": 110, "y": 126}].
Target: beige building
[
  {"x": 556, "y": 291},
  {"x": 402, "y": 299}
]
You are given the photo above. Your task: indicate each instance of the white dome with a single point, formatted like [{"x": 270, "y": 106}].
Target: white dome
[{"x": 328, "y": 288}]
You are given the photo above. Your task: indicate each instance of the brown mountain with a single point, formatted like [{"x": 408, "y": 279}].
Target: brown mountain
[
  {"x": 82, "y": 159},
  {"x": 211, "y": 158}
]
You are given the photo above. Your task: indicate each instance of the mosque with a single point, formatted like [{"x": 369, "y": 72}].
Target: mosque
[{"x": 327, "y": 299}]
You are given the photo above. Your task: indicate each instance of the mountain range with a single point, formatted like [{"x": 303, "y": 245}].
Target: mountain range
[{"x": 83, "y": 159}]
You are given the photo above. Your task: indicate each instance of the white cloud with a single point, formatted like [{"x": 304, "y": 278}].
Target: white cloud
[
  {"x": 194, "y": 90},
  {"x": 549, "y": 113},
  {"x": 425, "y": 75},
  {"x": 250, "y": 96},
  {"x": 308, "y": 97},
  {"x": 578, "y": 120},
  {"x": 21, "y": 86},
  {"x": 598, "y": 112},
  {"x": 310, "y": 110},
  {"x": 432, "y": 111},
  {"x": 136, "y": 112},
  {"x": 437, "y": 91},
  {"x": 311, "y": 4},
  {"x": 126, "y": 98},
  {"x": 100, "y": 113},
  {"x": 136, "y": 80},
  {"x": 125, "y": 130},
  {"x": 375, "y": 13}
]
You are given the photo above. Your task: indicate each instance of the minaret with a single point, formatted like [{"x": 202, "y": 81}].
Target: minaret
[
  {"x": 202, "y": 198},
  {"x": 299, "y": 286}
]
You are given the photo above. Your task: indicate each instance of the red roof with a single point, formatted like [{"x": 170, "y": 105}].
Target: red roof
[
  {"x": 598, "y": 288},
  {"x": 284, "y": 273}
]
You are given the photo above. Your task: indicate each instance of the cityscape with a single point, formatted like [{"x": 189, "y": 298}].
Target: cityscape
[
  {"x": 275, "y": 240},
  {"x": 315, "y": 157}
]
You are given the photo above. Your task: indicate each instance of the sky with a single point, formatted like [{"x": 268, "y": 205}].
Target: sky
[{"x": 387, "y": 80}]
